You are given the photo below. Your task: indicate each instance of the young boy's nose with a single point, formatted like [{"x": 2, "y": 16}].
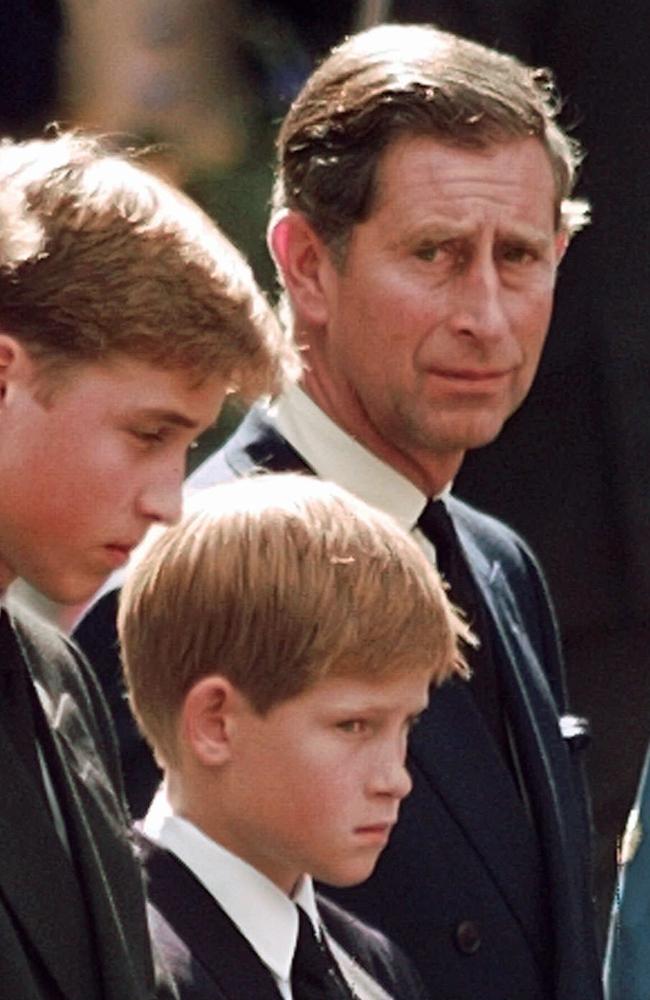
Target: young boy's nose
[{"x": 391, "y": 775}]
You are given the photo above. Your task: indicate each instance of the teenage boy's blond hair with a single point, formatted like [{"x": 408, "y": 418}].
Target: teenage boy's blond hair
[
  {"x": 112, "y": 260},
  {"x": 275, "y": 582}
]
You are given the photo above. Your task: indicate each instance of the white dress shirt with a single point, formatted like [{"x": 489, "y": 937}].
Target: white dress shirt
[
  {"x": 333, "y": 454},
  {"x": 264, "y": 914}
]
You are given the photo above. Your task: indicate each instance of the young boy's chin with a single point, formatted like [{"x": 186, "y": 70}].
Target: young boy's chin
[{"x": 345, "y": 874}]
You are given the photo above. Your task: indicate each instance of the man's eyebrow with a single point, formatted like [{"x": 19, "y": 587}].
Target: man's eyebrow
[
  {"x": 441, "y": 228},
  {"x": 529, "y": 234}
]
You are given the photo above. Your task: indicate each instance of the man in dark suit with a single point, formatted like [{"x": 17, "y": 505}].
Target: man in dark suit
[
  {"x": 98, "y": 406},
  {"x": 422, "y": 206}
]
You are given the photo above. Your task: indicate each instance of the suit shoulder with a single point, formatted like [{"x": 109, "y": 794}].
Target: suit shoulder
[
  {"x": 377, "y": 954},
  {"x": 495, "y": 537}
]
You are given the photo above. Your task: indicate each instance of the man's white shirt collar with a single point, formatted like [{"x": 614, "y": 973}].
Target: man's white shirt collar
[
  {"x": 333, "y": 454},
  {"x": 264, "y": 914}
]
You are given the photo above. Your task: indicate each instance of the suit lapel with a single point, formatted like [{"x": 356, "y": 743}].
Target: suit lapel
[
  {"x": 545, "y": 761},
  {"x": 105, "y": 862},
  {"x": 531, "y": 707},
  {"x": 105, "y": 939},
  {"x": 258, "y": 445},
  {"x": 52, "y": 913},
  {"x": 204, "y": 928}
]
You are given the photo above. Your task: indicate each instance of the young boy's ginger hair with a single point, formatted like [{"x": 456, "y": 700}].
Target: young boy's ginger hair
[{"x": 275, "y": 582}]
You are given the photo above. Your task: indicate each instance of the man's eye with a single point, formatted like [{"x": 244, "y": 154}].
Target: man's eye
[
  {"x": 517, "y": 254},
  {"x": 427, "y": 252}
]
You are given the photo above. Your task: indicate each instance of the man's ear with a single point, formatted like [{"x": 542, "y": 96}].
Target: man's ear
[
  {"x": 561, "y": 243},
  {"x": 206, "y": 720},
  {"x": 304, "y": 263}
]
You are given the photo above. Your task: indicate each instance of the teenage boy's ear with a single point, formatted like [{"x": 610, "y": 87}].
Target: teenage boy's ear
[
  {"x": 207, "y": 719},
  {"x": 305, "y": 265}
]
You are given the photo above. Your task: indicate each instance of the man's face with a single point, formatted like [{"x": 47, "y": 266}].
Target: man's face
[
  {"x": 435, "y": 324},
  {"x": 314, "y": 786},
  {"x": 82, "y": 478}
]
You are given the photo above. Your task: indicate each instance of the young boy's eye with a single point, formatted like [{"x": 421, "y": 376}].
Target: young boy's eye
[{"x": 354, "y": 726}]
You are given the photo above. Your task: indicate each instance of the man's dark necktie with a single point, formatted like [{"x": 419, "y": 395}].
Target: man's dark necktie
[
  {"x": 315, "y": 974},
  {"x": 436, "y": 524},
  {"x": 17, "y": 705}
]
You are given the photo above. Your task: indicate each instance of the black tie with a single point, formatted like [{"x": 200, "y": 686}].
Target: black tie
[
  {"x": 314, "y": 972},
  {"x": 17, "y": 706},
  {"x": 436, "y": 524}
]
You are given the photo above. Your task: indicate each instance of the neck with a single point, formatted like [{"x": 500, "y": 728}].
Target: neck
[{"x": 429, "y": 472}]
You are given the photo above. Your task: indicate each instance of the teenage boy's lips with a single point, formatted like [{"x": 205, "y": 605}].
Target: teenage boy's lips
[{"x": 119, "y": 552}]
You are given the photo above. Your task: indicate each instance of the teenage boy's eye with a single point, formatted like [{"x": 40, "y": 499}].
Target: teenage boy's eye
[{"x": 150, "y": 436}]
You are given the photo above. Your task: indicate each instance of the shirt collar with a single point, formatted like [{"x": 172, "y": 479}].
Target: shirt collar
[
  {"x": 264, "y": 914},
  {"x": 335, "y": 455}
]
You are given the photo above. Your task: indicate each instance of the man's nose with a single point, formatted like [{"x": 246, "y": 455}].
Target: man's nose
[
  {"x": 479, "y": 310},
  {"x": 161, "y": 500}
]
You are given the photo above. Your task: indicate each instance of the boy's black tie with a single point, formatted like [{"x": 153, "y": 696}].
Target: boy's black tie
[
  {"x": 315, "y": 974},
  {"x": 436, "y": 525}
]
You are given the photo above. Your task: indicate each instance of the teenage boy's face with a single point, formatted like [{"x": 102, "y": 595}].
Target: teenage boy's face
[
  {"x": 83, "y": 477},
  {"x": 315, "y": 785}
]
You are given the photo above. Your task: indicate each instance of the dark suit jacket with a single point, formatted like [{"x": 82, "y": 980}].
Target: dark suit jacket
[
  {"x": 488, "y": 900},
  {"x": 211, "y": 959},
  {"x": 64, "y": 937}
]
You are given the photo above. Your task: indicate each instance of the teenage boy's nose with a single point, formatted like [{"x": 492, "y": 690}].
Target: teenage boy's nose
[{"x": 161, "y": 501}]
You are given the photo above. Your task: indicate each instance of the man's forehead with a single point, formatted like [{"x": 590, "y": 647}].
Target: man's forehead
[
  {"x": 450, "y": 150},
  {"x": 518, "y": 169}
]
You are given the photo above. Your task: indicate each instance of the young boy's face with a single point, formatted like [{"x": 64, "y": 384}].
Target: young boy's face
[
  {"x": 315, "y": 785},
  {"x": 82, "y": 478}
]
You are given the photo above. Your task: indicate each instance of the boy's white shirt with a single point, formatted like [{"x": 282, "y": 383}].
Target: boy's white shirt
[{"x": 263, "y": 913}]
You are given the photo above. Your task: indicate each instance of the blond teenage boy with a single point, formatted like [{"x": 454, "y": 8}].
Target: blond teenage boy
[
  {"x": 278, "y": 646},
  {"x": 125, "y": 317}
]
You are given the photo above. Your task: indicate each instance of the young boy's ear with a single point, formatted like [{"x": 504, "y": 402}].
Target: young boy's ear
[
  {"x": 13, "y": 358},
  {"x": 206, "y": 720}
]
